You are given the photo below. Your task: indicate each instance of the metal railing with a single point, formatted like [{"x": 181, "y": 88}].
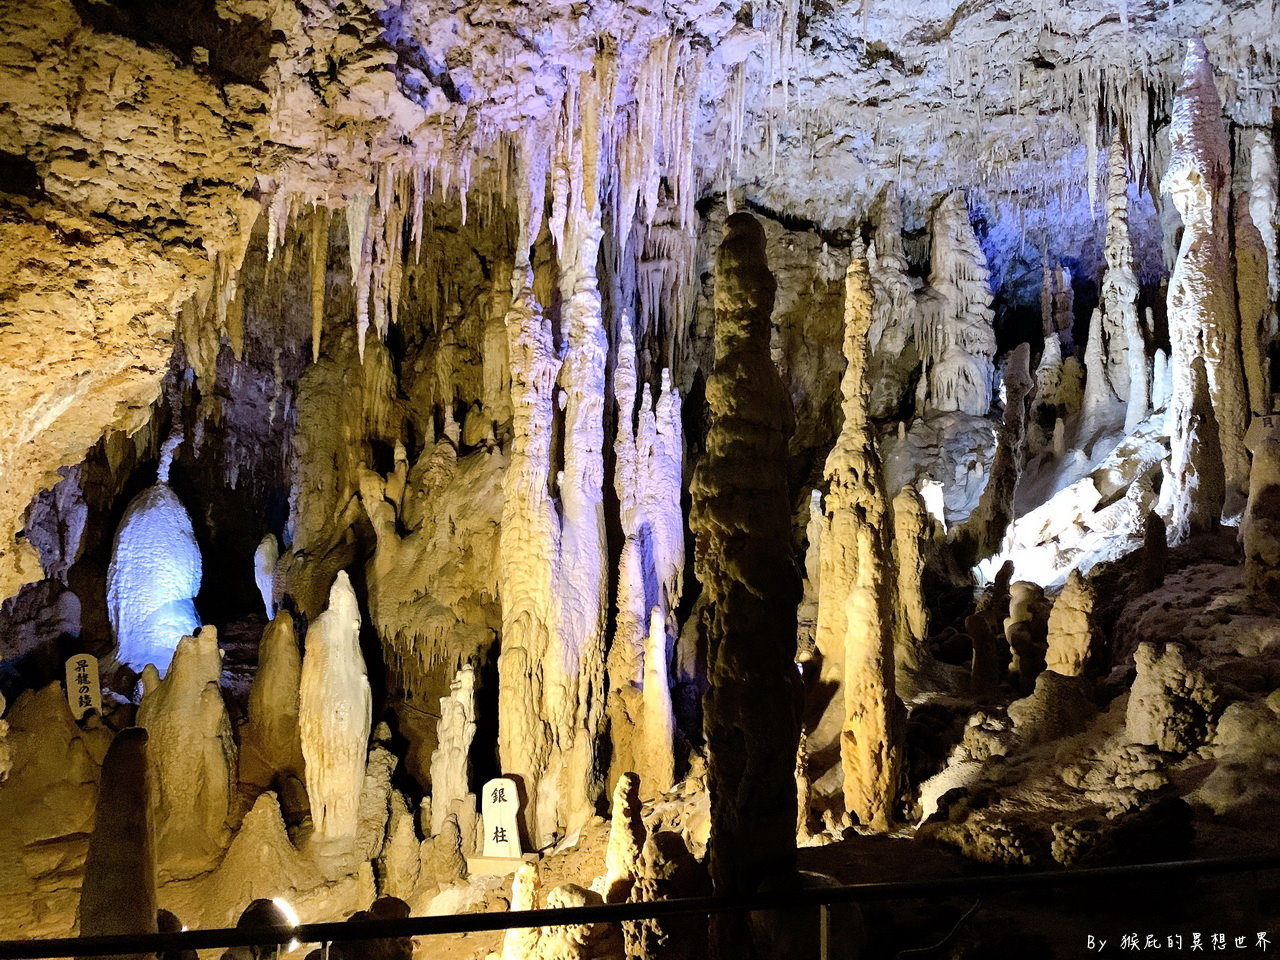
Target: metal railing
[{"x": 823, "y": 898}]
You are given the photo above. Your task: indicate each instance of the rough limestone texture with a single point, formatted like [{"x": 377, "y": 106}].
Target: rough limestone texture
[
  {"x": 741, "y": 519},
  {"x": 1073, "y": 634},
  {"x": 1025, "y": 630},
  {"x": 334, "y": 716},
  {"x": 270, "y": 744},
  {"x": 450, "y": 762},
  {"x": 153, "y": 579},
  {"x": 118, "y": 895},
  {"x": 912, "y": 534},
  {"x": 959, "y": 341},
  {"x": 857, "y": 602},
  {"x": 1203, "y": 318},
  {"x": 1126, "y": 350},
  {"x": 192, "y": 756},
  {"x": 1172, "y": 706},
  {"x": 1260, "y": 529},
  {"x": 648, "y": 479}
]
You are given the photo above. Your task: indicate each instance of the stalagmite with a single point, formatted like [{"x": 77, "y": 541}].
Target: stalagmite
[
  {"x": 1025, "y": 631},
  {"x": 334, "y": 715},
  {"x": 1126, "y": 355},
  {"x": 118, "y": 895},
  {"x": 1155, "y": 552},
  {"x": 1263, "y": 186},
  {"x": 911, "y": 523},
  {"x": 857, "y": 605},
  {"x": 626, "y": 840},
  {"x": 741, "y": 521},
  {"x": 1260, "y": 529},
  {"x": 521, "y": 943},
  {"x": 265, "y": 559},
  {"x": 647, "y": 478},
  {"x": 956, "y": 319},
  {"x": 1073, "y": 637},
  {"x": 192, "y": 755},
  {"x": 270, "y": 741},
  {"x": 450, "y": 762},
  {"x": 1194, "y": 490},
  {"x": 1253, "y": 303},
  {"x": 982, "y": 532},
  {"x": 1203, "y": 322},
  {"x": 1097, "y": 388},
  {"x": 153, "y": 578}
]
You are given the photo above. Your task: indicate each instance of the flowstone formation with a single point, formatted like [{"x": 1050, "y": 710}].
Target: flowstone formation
[{"x": 717, "y": 447}]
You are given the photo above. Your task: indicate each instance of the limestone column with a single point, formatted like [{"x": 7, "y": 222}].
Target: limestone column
[
  {"x": 1126, "y": 350},
  {"x": 1261, "y": 527},
  {"x": 741, "y": 521},
  {"x": 1203, "y": 322}
]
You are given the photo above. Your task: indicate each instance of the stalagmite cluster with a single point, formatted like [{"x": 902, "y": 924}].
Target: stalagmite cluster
[{"x": 417, "y": 418}]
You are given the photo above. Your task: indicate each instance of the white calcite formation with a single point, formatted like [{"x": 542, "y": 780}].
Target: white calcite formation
[
  {"x": 648, "y": 480},
  {"x": 153, "y": 579},
  {"x": 1203, "y": 322},
  {"x": 450, "y": 762},
  {"x": 192, "y": 756},
  {"x": 265, "y": 559},
  {"x": 894, "y": 323},
  {"x": 857, "y": 605},
  {"x": 740, "y": 518},
  {"x": 958, "y": 340},
  {"x": 334, "y": 715}
]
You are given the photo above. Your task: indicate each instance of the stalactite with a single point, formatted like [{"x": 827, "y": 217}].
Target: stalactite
[
  {"x": 741, "y": 521},
  {"x": 319, "y": 239},
  {"x": 192, "y": 755},
  {"x": 334, "y": 715},
  {"x": 893, "y": 310},
  {"x": 856, "y": 600},
  {"x": 1203, "y": 322}
]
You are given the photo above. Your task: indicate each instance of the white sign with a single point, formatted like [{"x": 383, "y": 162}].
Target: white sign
[
  {"x": 84, "y": 690},
  {"x": 1262, "y": 428},
  {"x": 499, "y": 805}
]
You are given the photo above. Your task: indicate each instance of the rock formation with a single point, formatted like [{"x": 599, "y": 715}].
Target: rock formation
[
  {"x": 265, "y": 559},
  {"x": 153, "y": 579},
  {"x": 1203, "y": 320},
  {"x": 192, "y": 755},
  {"x": 451, "y": 761},
  {"x": 1260, "y": 529},
  {"x": 1126, "y": 355},
  {"x": 740, "y": 519},
  {"x": 270, "y": 744},
  {"x": 857, "y": 604},
  {"x": 119, "y": 891},
  {"x": 1025, "y": 631},
  {"x": 647, "y": 478},
  {"x": 912, "y": 525},
  {"x": 958, "y": 339},
  {"x": 1171, "y": 705},
  {"x": 1073, "y": 637},
  {"x": 334, "y": 715}
]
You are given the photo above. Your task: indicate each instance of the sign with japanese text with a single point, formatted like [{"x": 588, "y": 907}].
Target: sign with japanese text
[
  {"x": 84, "y": 690},
  {"x": 499, "y": 806}
]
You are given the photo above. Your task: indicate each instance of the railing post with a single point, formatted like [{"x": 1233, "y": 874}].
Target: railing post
[{"x": 824, "y": 931}]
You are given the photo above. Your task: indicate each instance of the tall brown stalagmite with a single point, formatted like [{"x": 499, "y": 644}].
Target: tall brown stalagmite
[
  {"x": 1126, "y": 351},
  {"x": 1261, "y": 527},
  {"x": 741, "y": 520},
  {"x": 911, "y": 527},
  {"x": 1203, "y": 319},
  {"x": 119, "y": 890},
  {"x": 857, "y": 603}
]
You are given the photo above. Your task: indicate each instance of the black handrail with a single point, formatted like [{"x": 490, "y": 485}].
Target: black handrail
[{"x": 338, "y": 932}]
